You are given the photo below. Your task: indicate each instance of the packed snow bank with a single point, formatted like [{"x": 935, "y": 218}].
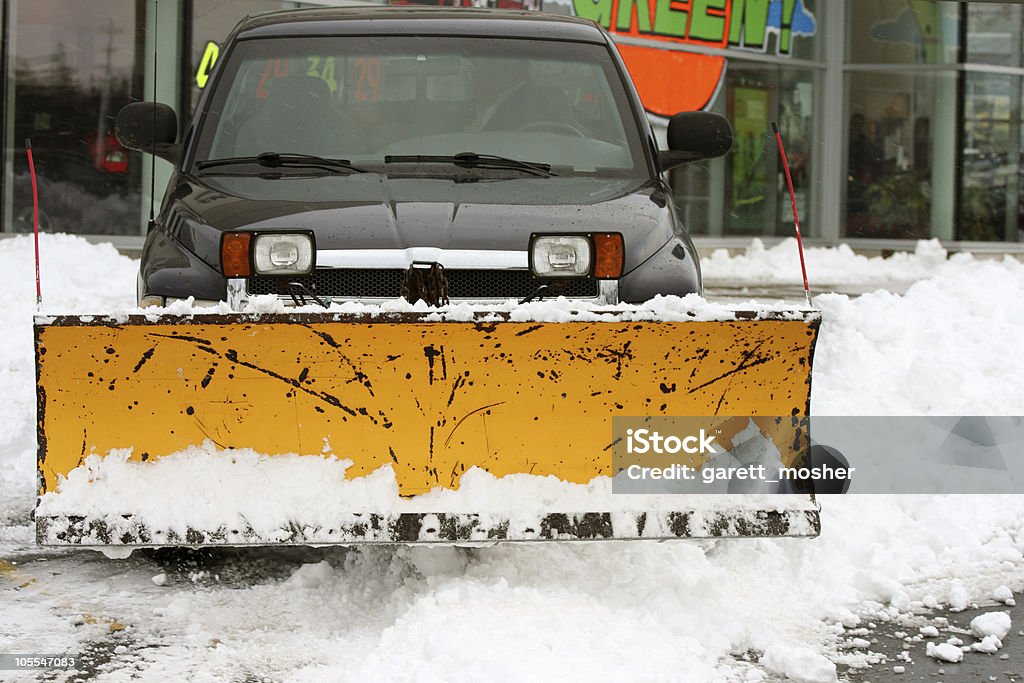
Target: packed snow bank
[
  {"x": 830, "y": 266},
  {"x": 76, "y": 275},
  {"x": 949, "y": 346}
]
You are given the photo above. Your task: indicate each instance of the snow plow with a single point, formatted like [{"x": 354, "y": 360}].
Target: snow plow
[
  {"x": 427, "y": 400},
  {"x": 446, "y": 299}
]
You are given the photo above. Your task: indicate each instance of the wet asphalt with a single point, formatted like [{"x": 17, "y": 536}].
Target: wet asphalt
[{"x": 889, "y": 640}]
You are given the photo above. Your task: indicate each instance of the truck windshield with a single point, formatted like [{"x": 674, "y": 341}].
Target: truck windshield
[{"x": 367, "y": 98}]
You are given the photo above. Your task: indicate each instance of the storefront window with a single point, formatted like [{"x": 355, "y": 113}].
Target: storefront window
[
  {"x": 990, "y": 195},
  {"x": 901, "y": 32},
  {"x": 929, "y": 130},
  {"x": 750, "y": 180},
  {"x": 994, "y": 33},
  {"x": 74, "y": 65},
  {"x": 900, "y": 153}
]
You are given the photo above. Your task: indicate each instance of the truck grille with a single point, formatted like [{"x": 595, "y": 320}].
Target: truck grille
[{"x": 386, "y": 283}]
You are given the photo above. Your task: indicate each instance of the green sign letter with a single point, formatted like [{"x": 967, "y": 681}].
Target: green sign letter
[
  {"x": 704, "y": 26},
  {"x": 643, "y": 15},
  {"x": 668, "y": 21},
  {"x": 750, "y": 17},
  {"x": 598, "y": 11}
]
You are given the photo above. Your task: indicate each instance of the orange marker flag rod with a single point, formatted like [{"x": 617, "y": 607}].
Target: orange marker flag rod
[{"x": 796, "y": 218}]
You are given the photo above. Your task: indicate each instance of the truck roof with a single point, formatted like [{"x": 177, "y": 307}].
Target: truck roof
[{"x": 384, "y": 20}]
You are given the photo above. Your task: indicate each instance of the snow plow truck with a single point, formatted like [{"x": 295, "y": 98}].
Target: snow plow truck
[{"x": 417, "y": 277}]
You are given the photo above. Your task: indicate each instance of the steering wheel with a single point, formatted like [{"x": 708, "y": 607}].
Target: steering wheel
[{"x": 554, "y": 127}]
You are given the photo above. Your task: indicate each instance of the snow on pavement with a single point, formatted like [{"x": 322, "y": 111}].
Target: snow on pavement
[{"x": 605, "y": 611}]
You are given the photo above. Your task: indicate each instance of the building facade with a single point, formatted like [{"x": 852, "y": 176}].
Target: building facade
[{"x": 901, "y": 118}]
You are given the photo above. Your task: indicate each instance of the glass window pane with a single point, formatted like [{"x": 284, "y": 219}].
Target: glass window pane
[
  {"x": 751, "y": 178},
  {"x": 367, "y": 98},
  {"x": 75, "y": 65},
  {"x": 994, "y": 33},
  {"x": 901, "y": 32},
  {"x": 900, "y": 154},
  {"x": 990, "y": 194}
]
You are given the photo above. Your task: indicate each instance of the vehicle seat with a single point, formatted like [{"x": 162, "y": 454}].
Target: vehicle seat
[{"x": 297, "y": 116}]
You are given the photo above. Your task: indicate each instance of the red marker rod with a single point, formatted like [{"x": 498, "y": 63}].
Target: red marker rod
[
  {"x": 35, "y": 217},
  {"x": 796, "y": 218}
]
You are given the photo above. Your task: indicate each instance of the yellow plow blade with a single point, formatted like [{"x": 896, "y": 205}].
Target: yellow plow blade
[{"x": 428, "y": 399}]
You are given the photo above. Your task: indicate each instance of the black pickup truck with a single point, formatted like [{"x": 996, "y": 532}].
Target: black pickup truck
[{"x": 372, "y": 153}]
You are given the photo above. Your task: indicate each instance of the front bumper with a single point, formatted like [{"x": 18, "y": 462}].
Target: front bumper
[
  {"x": 239, "y": 295},
  {"x": 374, "y": 276}
]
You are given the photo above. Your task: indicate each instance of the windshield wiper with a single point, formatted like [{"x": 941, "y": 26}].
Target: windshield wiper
[
  {"x": 474, "y": 160},
  {"x": 277, "y": 160}
]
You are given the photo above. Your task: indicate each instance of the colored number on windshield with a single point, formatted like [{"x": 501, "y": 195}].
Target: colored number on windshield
[
  {"x": 275, "y": 68},
  {"x": 323, "y": 69},
  {"x": 367, "y": 78},
  {"x": 210, "y": 55}
]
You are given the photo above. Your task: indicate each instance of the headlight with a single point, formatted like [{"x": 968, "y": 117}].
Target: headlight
[
  {"x": 283, "y": 254},
  {"x": 598, "y": 255},
  {"x": 560, "y": 256}
]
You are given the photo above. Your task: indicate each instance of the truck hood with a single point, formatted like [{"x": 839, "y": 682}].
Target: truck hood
[{"x": 374, "y": 211}]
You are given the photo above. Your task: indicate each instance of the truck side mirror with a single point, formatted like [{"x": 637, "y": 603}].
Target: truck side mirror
[
  {"x": 150, "y": 127},
  {"x": 693, "y": 136}
]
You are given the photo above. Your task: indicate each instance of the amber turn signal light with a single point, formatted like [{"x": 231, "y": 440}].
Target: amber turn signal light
[
  {"x": 234, "y": 254},
  {"x": 609, "y": 255}
]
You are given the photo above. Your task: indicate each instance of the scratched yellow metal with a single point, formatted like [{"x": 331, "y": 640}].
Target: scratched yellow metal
[{"x": 431, "y": 399}]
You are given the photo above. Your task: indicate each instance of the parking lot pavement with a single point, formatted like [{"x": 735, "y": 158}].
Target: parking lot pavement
[{"x": 890, "y": 640}]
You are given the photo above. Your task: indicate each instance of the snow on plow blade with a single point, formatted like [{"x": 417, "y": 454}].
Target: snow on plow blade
[{"x": 428, "y": 401}]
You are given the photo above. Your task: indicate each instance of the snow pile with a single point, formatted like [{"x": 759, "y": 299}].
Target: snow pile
[
  {"x": 76, "y": 275},
  {"x": 239, "y": 488},
  {"x": 799, "y": 664},
  {"x": 944, "y": 652},
  {"x": 959, "y": 599},
  {"x": 996, "y": 624},
  {"x": 826, "y": 267},
  {"x": 988, "y": 645},
  {"x": 1004, "y": 595},
  {"x": 615, "y": 611},
  {"x": 949, "y": 346},
  {"x": 691, "y": 308},
  {"x": 311, "y": 575}
]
